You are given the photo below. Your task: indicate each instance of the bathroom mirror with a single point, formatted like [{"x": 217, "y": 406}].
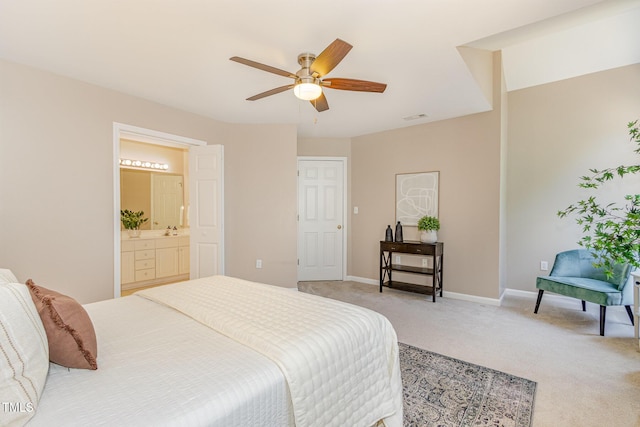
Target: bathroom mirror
[{"x": 160, "y": 195}]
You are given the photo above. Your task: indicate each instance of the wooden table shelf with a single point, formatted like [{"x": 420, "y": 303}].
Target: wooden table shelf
[{"x": 433, "y": 250}]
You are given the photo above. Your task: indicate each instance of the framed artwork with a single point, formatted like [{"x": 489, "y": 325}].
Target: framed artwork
[{"x": 416, "y": 196}]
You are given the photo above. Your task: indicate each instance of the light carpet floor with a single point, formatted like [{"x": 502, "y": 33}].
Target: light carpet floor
[{"x": 583, "y": 379}]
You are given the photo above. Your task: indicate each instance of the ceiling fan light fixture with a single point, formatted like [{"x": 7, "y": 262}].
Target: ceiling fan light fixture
[
  {"x": 310, "y": 78},
  {"x": 307, "y": 91}
]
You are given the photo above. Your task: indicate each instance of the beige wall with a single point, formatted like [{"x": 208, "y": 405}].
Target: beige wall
[
  {"x": 466, "y": 152},
  {"x": 260, "y": 211},
  {"x": 557, "y": 132},
  {"x": 173, "y": 157},
  {"x": 504, "y": 175},
  {"x": 56, "y": 182},
  {"x": 324, "y": 147}
]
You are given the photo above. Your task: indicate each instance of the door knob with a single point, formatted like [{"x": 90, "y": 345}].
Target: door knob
[{"x": 339, "y": 227}]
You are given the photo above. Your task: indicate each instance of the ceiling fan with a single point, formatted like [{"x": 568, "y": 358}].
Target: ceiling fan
[{"x": 309, "y": 81}]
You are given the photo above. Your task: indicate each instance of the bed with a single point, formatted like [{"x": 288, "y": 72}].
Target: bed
[{"x": 221, "y": 351}]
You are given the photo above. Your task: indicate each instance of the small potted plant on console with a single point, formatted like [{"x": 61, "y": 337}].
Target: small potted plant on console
[{"x": 428, "y": 225}]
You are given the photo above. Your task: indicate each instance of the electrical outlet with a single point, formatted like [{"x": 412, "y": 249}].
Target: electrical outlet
[
  {"x": 397, "y": 261},
  {"x": 258, "y": 263},
  {"x": 544, "y": 265}
]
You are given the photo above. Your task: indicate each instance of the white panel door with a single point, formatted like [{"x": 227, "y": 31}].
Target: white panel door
[
  {"x": 320, "y": 219},
  {"x": 205, "y": 212}
]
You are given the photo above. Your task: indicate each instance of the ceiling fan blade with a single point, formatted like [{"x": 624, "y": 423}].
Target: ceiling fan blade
[
  {"x": 262, "y": 67},
  {"x": 353, "y": 84},
  {"x": 320, "y": 103},
  {"x": 270, "y": 92},
  {"x": 330, "y": 57}
]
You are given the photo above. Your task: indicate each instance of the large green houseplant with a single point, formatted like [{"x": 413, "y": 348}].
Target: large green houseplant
[{"x": 612, "y": 230}]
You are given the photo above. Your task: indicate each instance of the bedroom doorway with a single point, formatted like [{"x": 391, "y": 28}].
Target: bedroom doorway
[
  {"x": 321, "y": 218},
  {"x": 203, "y": 215}
]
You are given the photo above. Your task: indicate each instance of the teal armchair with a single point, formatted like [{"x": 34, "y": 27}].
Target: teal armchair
[{"x": 574, "y": 275}]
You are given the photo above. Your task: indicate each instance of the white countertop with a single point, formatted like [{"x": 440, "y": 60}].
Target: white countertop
[{"x": 154, "y": 234}]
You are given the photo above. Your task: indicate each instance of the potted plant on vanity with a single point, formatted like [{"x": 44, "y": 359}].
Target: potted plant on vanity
[
  {"x": 132, "y": 221},
  {"x": 428, "y": 225}
]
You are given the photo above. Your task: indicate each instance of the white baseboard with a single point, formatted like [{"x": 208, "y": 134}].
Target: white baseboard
[
  {"x": 452, "y": 295},
  {"x": 362, "y": 280},
  {"x": 473, "y": 298},
  {"x": 519, "y": 292}
]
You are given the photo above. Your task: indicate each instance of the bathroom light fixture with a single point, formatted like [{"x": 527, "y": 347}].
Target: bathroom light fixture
[
  {"x": 128, "y": 163},
  {"x": 308, "y": 89}
]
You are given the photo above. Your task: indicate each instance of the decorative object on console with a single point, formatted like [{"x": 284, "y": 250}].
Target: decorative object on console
[
  {"x": 416, "y": 196},
  {"x": 429, "y": 225},
  {"x": 132, "y": 221},
  {"x": 388, "y": 235},
  {"x": 398, "y": 232}
]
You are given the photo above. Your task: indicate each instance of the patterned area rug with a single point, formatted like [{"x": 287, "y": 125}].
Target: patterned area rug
[{"x": 446, "y": 392}]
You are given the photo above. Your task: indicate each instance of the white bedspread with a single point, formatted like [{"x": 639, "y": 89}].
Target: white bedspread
[
  {"x": 158, "y": 367},
  {"x": 340, "y": 361}
]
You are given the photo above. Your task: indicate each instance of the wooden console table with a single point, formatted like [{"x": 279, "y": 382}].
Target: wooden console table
[{"x": 434, "y": 250}]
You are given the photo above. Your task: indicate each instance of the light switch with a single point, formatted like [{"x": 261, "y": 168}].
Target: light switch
[{"x": 355, "y": 210}]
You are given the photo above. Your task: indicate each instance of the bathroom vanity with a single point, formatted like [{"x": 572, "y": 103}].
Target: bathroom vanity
[{"x": 153, "y": 260}]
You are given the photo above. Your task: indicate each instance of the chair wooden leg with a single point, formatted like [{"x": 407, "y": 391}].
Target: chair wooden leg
[
  {"x": 540, "y": 292},
  {"x": 584, "y": 306},
  {"x": 630, "y": 313},
  {"x": 603, "y": 312}
]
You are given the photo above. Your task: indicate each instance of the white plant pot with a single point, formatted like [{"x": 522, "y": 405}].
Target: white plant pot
[
  {"x": 133, "y": 233},
  {"x": 428, "y": 236}
]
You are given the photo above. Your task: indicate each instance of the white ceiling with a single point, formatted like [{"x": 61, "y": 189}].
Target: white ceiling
[{"x": 177, "y": 52}]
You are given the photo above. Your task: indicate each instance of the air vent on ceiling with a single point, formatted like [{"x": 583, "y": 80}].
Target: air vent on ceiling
[{"x": 416, "y": 116}]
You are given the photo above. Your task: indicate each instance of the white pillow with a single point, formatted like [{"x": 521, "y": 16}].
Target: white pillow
[
  {"x": 24, "y": 350},
  {"x": 6, "y": 276}
]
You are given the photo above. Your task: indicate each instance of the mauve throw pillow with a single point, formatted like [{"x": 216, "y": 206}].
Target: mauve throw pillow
[{"x": 72, "y": 339}]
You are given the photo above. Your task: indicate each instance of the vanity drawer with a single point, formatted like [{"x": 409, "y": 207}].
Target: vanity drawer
[
  {"x": 147, "y": 274},
  {"x": 167, "y": 242},
  {"x": 127, "y": 246},
  {"x": 145, "y": 264},
  {"x": 145, "y": 244},
  {"x": 148, "y": 254},
  {"x": 184, "y": 241}
]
